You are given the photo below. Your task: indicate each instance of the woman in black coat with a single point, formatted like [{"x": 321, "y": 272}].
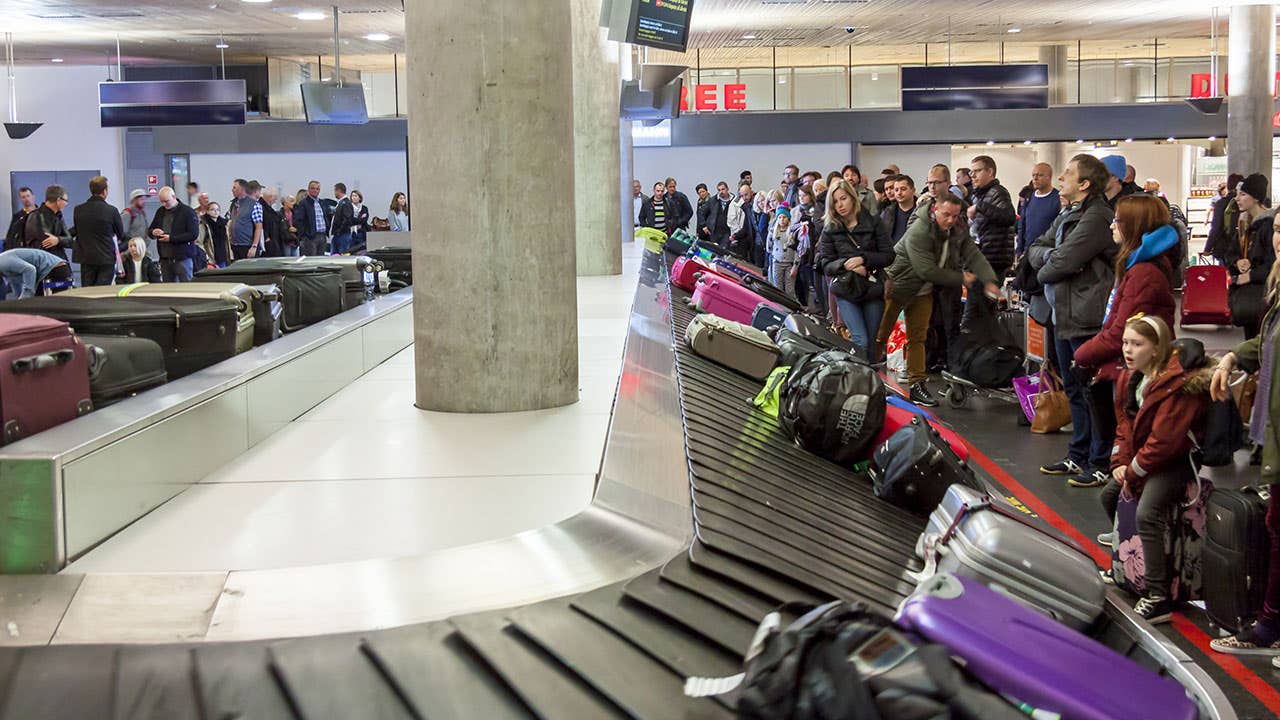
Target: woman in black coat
[{"x": 853, "y": 251}]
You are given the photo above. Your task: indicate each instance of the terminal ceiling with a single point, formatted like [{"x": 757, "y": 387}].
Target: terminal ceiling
[{"x": 84, "y": 31}]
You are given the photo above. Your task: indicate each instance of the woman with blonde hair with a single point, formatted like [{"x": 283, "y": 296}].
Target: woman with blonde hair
[{"x": 853, "y": 251}]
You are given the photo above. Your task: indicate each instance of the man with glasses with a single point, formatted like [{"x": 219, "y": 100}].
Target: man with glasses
[
  {"x": 992, "y": 216},
  {"x": 791, "y": 185},
  {"x": 46, "y": 229},
  {"x": 175, "y": 229}
]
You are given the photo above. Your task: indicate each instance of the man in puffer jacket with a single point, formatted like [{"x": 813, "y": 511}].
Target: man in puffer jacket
[{"x": 993, "y": 218}]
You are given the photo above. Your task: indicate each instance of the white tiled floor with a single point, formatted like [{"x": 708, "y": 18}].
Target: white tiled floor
[{"x": 366, "y": 475}]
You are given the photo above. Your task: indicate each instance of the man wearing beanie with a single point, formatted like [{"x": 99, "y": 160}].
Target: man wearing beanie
[
  {"x": 1250, "y": 257},
  {"x": 1116, "y": 186}
]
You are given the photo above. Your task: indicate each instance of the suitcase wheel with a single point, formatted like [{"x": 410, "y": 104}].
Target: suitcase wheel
[{"x": 955, "y": 395}]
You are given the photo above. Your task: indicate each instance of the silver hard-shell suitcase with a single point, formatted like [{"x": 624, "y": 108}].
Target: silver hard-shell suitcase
[
  {"x": 974, "y": 535},
  {"x": 734, "y": 345}
]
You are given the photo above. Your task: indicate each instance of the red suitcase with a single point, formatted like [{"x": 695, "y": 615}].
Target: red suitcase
[
  {"x": 720, "y": 296},
  {"x": 44, "y": 375},
  {"x": 1204, "y": 296}
]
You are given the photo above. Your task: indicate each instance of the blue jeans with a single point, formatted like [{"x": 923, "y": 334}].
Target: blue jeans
[
  {"x": 341, "y": 243},
  {"x": 175, "y": 270},
  {"x": 1088, "y": 449},
  {"x": 291, "y": 251},
  {"x": 863, "y": 321}
]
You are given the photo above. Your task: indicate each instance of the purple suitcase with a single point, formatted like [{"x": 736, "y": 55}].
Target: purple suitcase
[
  {"x": 727, "y": 299},
  {"x": 1029, "y": 656}
]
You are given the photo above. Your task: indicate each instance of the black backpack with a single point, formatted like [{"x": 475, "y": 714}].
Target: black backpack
[
  {"x": 985, "y": 352},
  {"x": 841, "y": 661},
  {"x": 833, "y": 406},
  {"x": 915, "y": 466}
]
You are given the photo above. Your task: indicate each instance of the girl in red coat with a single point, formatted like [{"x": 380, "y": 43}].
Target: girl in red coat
[
  {"x": 1144, "y": 273},
  {"x": 1161, "y": 398}
]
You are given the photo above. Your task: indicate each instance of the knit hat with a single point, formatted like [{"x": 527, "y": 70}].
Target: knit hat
[
  {"x": 784, "y": 210},
  {"x": 1116, "y": 165},
  {"x": 1255, "y": 185}
]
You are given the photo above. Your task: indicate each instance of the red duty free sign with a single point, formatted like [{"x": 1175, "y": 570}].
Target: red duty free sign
[{"x": 708, "y": 97}]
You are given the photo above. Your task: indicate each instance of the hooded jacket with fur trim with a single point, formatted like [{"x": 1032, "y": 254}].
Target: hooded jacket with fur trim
[{"x": 1169, "y": 424}]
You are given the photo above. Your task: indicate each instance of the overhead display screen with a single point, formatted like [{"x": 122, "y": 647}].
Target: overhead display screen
[{"x": 661, "y": 24}]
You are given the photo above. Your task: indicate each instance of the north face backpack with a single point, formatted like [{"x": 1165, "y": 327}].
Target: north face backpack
[{"x": 833, "y": 406}]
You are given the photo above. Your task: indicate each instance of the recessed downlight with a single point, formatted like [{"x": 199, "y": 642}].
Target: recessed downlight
[
  {"x": 311, "y": 15},
  {"x": 1015, "y": 30},
  {"x": 748, "y": 37},
  {"x": 56, "y": 60},
  {"x": 990, "y": 143},
  {"x": 222, "y": 46},
  {"x": 377, "y": 37}
]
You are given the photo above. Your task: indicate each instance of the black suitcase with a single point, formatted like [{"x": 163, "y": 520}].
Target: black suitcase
[
  {"x": 1234, "y": 559},
  {"x": 359, "y": 274},
  {"x": 792, "y": 347},
  {"x": 820, "y": 333},
  {"x": 194, "y": 333},
  {"x": 771, "y": 293},
  {"x": 399, "y": 264},
  {"x": 767, "y": 316},
  {"x": 914, "y": 468},
  {"x": 309, "y": 293},
  {"x": 268, "y": 315},
  {"x": 121, "y": 367}
]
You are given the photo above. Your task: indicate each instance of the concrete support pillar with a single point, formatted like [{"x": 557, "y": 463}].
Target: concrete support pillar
[
  {"x": 1251, "y": 67},
  {"x": 495, "y": 301},
  {"x": 597, "y": 142},
  {"x": 1055, "y": 56}
]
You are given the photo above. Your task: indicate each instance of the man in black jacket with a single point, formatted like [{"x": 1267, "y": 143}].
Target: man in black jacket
[
  {"x": 659, "y": 212},
  {"x": 713, "y": 216},
  {"x": 680, "y": 203},
  {"x": 341, "y": 220},
  {"x": 175, "y": 229},
  {"x": 271, "y": 223},
  {"x": 46, "y": 229},
  {"x": 98, "y": 234},
  {"x": 992, "y": 217},
  {"x": 18, "y": 224},
  {"x": 312, "y": 222}
]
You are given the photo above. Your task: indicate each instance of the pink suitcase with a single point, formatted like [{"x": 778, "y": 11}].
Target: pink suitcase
[
  {"x": 723, "y": 297},
  {"x": 685, "y": 270},
  {"x": 1204, "y": 296}
]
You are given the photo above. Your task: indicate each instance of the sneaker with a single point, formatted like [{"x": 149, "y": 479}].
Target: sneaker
[
  {"x": 1107, "y": 539},
  {"x": 1097, "y": 478},
  {"x": 921, "y": 396},
  {"x": 1154, "y": 610},
  {"x": 1255, "y": 640},
  {"x": 1066, "y": 466}
]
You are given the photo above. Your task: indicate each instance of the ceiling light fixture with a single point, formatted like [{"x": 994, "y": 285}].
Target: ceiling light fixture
[
  {"x": 990, "y": 143},
  {"x": 1079, "y": 142},
  {"x": 1026, "y": 142},
  {"x": 1128, "y": 140},
  {"x": 1212, "y": 138},
  {"x": 311, "y": 15},
  {"x": 57, "y": 60},
  {"x": 748, "y": 37},
  {"x": 1015, "y": 30},
  {"x": 255, "y": 2},
  {"x": 377, "y": 37},
  {"x": 221, "y": 45},
  {"x": 1171, "y": 139}
]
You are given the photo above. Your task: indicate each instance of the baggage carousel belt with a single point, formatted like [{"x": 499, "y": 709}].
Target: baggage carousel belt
[{"x": 772, "y": 524}]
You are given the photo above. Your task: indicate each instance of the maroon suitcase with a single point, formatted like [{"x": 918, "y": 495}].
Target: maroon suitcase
[
  {"x": 44, "y": 375},
  {"x": 1204, "y": 296}
]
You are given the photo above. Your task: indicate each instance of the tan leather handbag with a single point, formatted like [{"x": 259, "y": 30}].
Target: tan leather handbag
[{"x": 1053, "y": 410}]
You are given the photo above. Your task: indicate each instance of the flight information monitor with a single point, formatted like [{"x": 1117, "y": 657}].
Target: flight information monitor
[{"x": 661, "y": 23}]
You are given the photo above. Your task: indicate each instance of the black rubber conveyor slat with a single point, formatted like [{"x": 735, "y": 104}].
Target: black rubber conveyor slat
[
  {"x": 778, "y": 589},
  {"x": 547, "y": 687},
  {"x": 156, "y": 683},
  {"x": 440, "y": 676},
  {"x": 308, "y": 668},
  {"x": 684, "y": 653},
  {"x": 53, "y": 682},
  {"x": 679, "y": 571},
  {"x": 731, "y": 632},
  {"x": 614, "y": 667}
]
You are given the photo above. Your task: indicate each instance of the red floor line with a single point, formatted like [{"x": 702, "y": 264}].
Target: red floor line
[
  {"x": 1258, "y": 687},
  {"x": 1255, "y": 685}
]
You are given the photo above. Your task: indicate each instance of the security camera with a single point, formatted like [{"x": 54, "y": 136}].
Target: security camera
[{"x": 849, "y": 29}]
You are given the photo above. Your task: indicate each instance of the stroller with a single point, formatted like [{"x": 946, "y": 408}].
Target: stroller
[{"x": 985, "y": 357}]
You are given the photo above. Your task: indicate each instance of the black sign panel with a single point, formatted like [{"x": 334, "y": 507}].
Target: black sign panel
[
  {"x": 975, "y": 87},
  {"x": 661, "y": 24},
  {"x": 171, "y": 102}
]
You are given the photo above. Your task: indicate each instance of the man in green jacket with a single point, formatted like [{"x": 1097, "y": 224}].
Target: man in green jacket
[{"x": 934, "y": 252}]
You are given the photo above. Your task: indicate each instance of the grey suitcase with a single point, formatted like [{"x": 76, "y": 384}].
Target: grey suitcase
[
  {"x": 361, "y": 274},
  {"x": 986, "y": 539},
  {"x": 734, "y": 345}
]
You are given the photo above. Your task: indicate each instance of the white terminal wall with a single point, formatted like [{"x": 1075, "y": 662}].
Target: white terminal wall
[
  {"x": 711, "y": 164},
  {"x": 65, "y": 99},
  {"x": 378, "y": 175}
]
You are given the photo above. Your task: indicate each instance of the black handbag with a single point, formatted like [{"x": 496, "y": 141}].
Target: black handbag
[{"x": 1246, "y": 304}]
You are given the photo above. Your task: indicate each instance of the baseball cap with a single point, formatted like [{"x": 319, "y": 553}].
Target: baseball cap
[{"x": 137, "y": 194}]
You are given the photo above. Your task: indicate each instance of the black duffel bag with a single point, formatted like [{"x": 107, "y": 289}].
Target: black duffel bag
[
  {"x": 841, "y": 661},
  {"x": 833, "y": 406}
]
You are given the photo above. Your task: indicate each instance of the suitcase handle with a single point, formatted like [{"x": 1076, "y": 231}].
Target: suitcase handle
[{"x": 40, "y": 362}]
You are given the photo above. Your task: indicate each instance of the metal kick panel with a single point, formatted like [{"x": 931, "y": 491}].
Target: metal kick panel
[
  {"x": 388, "y": 336},
  {"x": 108, "y": 489},
  {"x": 278, "y": 397}
]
